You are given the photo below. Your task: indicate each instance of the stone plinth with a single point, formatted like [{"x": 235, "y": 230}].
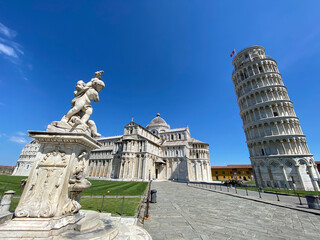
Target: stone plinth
[{"x": 49, "y": 203}]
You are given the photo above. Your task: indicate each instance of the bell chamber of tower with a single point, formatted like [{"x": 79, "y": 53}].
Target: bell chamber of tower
[{"x": 278, "y": 149}]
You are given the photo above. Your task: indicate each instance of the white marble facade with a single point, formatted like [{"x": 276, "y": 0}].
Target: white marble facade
[
  {"x": 155, "y": 152},
  {"x": 278, "y": 149},
  {"x": 26, "y": 159}
]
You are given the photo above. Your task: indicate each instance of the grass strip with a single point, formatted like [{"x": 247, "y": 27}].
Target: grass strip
[
  {"x": 283, "y": 191},
  {"x": 99, "y": 187},
  {"x": 110, "y": 205}
]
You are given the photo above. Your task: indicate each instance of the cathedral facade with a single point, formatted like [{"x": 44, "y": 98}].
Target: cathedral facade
[{"x": 156, "y": 152}]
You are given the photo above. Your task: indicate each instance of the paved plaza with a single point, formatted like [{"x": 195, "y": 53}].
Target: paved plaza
[{"x": 183, "y": 212}]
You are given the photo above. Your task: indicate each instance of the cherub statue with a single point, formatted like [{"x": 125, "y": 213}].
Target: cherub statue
[{"x": 81, "y": 109}]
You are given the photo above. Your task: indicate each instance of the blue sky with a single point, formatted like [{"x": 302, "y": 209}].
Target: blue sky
[{"x": 169, "y": 56}]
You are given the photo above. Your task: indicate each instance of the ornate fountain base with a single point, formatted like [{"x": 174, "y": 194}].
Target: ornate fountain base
[
  {"x": 38, "y": 228},
  {"x": 49, "y": 205}
]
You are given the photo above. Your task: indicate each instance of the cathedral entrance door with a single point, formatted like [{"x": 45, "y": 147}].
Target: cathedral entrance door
[{"x": 157, "y": 172}]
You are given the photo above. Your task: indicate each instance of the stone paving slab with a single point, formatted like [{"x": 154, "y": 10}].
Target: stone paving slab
[
  {"x": 184, "y": 212},
  {"x": 268, "y": 198}
]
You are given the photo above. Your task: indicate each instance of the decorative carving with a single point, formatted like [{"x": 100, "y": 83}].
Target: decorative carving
[
  {"x": 54, "y": 159},
  {"x": 44, "y": 189},
  {"x": 77, "y": 183}
]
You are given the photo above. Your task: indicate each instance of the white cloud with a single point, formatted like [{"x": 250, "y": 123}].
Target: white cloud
[
  {"x": 20, "y": 140},
  {"x": 21, "y": 133},
  {"x": 7, "y": 31},
  {"x": 9, "y": 51},
  {"x": 8, "y": 48}
]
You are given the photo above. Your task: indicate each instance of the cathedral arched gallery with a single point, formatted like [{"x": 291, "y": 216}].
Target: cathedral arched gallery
[{"x": 156, "y": 152}]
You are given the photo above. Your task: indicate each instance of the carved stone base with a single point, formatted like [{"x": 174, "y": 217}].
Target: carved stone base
[
  {"x": 64, "y": 127},
  {"x": 101, "y": 226},
  {"x": 86, "y": 225},
  {"x": 42, "y": 228}
]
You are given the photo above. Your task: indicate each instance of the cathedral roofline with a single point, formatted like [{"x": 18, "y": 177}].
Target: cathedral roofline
[
  {"x": 193, "y": 140},
  {"x": 142, "y": 128},
  {"x": 175, "y": 130},
  {"x": 105, "y": 138}
]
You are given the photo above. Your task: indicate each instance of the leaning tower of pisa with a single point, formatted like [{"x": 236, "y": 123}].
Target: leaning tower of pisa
[{"x": 278, "y": 149}]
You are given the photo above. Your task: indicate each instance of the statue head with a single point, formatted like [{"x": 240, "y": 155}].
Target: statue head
[
  {"x": 80, "y": 85},
  {"x": 98, "y": 84}
]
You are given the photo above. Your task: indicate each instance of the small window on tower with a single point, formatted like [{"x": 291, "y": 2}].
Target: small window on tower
[{"x": 276, "y": 114}]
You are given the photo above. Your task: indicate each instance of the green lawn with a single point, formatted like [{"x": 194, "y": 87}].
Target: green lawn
[
  {"x": 8, "y": 182},
  {"x": 14, "y": 204},
  {"x": 110, "y": 205},
  {"x": 99, "y": 187},
  {"x": 250, "y": 182}
]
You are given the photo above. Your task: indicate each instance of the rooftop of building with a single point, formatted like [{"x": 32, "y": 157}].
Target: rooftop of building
[
  {"x": 8, "y": 167},
  {"x": 174, "y": 130},
  {"x": 112, "y": 137},
  {"x": 158, "y": 122},
  {"x": 193, "y": 140},
  {"x": 232, "y": 166}
]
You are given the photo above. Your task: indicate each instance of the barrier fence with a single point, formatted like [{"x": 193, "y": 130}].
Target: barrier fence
[{"x": 247, "y": 191}]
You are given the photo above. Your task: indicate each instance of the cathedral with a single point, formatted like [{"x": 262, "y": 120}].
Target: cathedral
[
  {"x": 152, "y": 153},
  {"x": 156, "y": 152}
]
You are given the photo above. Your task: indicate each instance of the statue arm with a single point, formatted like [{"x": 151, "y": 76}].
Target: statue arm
[{"x": 96, "y": 97}]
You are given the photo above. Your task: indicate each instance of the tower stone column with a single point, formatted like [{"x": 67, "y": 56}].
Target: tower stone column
[{"x": 275, "y": 140}]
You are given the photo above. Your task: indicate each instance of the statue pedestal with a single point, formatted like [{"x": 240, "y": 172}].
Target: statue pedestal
[{"x": 49, "y": 203}]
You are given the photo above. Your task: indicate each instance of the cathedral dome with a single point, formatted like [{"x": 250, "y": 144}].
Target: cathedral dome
[{"x": 158, "y": 124}]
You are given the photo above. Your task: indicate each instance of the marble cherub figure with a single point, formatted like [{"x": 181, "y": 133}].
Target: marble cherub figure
[{"x": 81, "y": 108}]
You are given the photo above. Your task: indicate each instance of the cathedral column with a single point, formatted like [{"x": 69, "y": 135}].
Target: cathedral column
[
  {"x": 138, "y": 167},
  {"x": 121, "y": 168},
  {"x": 105, "y": 173},
  {"x": 94, "y": 168},
  {"x": 143, "y": 168},
  {"x": 133, "y": 165},
  {"x": 90, "y": 167},
  {"x": 102, "y": 168},
  {"x": 178, "y": 169}
]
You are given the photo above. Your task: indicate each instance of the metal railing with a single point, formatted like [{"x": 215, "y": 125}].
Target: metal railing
[{"x": 247, "y": 191}]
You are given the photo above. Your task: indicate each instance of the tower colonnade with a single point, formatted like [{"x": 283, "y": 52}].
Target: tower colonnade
[{"x": 278, "y": 149}]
